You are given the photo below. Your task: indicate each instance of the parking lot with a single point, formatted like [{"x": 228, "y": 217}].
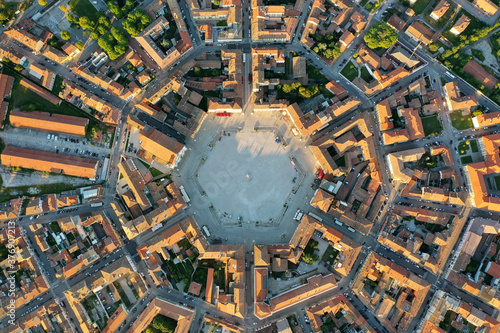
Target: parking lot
[{"x": 52, "y": 142}]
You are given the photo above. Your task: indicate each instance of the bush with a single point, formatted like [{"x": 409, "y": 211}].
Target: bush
[{"x": 42, "y": 2}]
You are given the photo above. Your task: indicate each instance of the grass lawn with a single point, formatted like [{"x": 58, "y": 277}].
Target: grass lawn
[
  {"x": 350, "y": 71},
  {"x": 432, "y": 125},
  {"x": 460, "y": 122},
  {"x": 497, "y": 182},
  {"x": 473, "y": 146},
  {"x": 363, "y": 3},
  {"x": 58, "y": 85},
  {"x": 466, "y": 159},
  {"x": 84, "y": 8},
  {"x": 463, "y": 148},
  {"x": 365, "y": 75},
  {"x": 420, "y": 5},
  {"x": 478, "y": 54},
  {"x": 155, "y": 172},
  {"x": 26, "y": 100},
  {"x": 7, "y": 193},
  {"x": 327, "y": 93},
  {"x": 330, "y": 251}
]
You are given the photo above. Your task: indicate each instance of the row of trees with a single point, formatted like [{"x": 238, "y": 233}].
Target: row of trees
[
  {"x": 136, "y": 22},
  {"x": 305, "y": 92},
  {"x": 380, "y": 35},
  {"x": 114, "y": 43}
]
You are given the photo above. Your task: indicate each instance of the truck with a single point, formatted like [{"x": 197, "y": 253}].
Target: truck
[
  {"x": 205, "y": 229},
  {"x": 351, "y": 229},
  {"x": 450, "y": 75},
  {"x": 338, "y": 222},
  {"x": 184, "y": 194},
  {"x": 96, "y": 204}
]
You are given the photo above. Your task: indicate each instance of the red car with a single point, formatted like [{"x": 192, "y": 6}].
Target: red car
[{"x": 249, "y": 77}]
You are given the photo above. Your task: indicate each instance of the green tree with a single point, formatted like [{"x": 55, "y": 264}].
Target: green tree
[
  {"x": 114, "y": 43},
  {"x": 115, "y": 9},
  {"x": 197, "y": 71},
  {"x": 310, "y": 259},
  {"x": 4, "y": 15},
  {"x": 322, "y": 46},
  {"x": 104, "y": 21},
  {"x": 164, "y": 324},
  {"x": 18, "y": 68},
  {"x": 86, "y": 23},
  {"x": 65, "y": 35},
  {"x": 308, "y": 92},
  {"x": 80, "y": 45},
  {"x": 286, "y": 88},
  {"x": 380, "y": 35},
  {"x": 433, "y": 47},
  {"x": 72, "y": 19},
  {"x": 336, "y": 51},
  {"x": 42, "y": 2},
  {"x": 316, "y": 49},
  {"x": 63, "y": 8},
  {"x": 136, "y": 22}
]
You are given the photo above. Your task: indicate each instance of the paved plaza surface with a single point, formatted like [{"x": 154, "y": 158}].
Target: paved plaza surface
[
  {"x": 222, "y": 175},
  {"x": 248, "y": 175}
]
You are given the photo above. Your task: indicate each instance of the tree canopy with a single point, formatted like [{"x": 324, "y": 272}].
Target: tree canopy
[
  {"x": 6, "y": 12},
  {"x": 80, "y": 45},
  {"x": 86, "y": 23},
  {"x": 65, "y": 35},
  {"x": 114, "y": 43},
  {"x": 42, "y": 2},
  {"x": 136, "y": 22},
  {"x": 164, "y": 324},
  {"x": 380, "y": 35},
  {"x": 118, "y": 11},
  {"x": 308, "y": 92}
]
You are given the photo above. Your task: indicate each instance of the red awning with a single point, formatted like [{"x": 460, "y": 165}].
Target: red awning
[{"x": 223, "y": 114}]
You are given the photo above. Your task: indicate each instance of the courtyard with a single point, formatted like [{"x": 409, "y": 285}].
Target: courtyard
[{"x": 248, "y": 175}]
